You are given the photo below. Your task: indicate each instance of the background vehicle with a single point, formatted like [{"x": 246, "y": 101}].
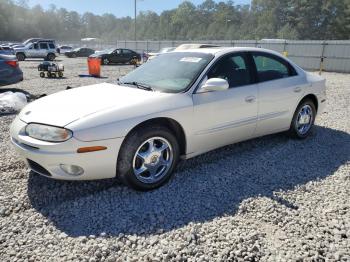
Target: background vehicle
[
  {"x": 80, "y": 52},
  {"x": 180, "y": 104},
  {"x": 161, "y": 51},
  {"x": 6, "y": 50},
  {"x": 120, "y": 55},
  {"x": 30, "y": 41},
  {"x": 42, "y": 49},
  {"x": 62, "y": 49},
  {"x": 194, "y": 46},
  {"x": 10, "y": 73}
]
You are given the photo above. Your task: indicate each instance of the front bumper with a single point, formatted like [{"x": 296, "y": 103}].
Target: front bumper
[{"x": 45, "y": 158}]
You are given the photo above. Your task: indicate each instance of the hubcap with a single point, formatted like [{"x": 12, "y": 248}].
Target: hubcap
[
  {"x": 304, "y": 119},
  {"x": 152, "y": 160},
  {"x": 106, "y": 61}
]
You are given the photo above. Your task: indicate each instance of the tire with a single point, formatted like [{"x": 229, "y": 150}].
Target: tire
[
  {"x": 73, "y": 56},
  {"x": 51, "y": 57},
  {"x": 20, "y": 57},
  {"x": 60, "y": 74},
  {"x": 105, "y": 61},
  {"x": 42, "y": 74},
  {"x": 160, "y": 162},
  {"x": 306, "y": 109}
]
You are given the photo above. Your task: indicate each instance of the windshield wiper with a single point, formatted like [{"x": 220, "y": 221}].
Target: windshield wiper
[{"x": 138, "y": 85}]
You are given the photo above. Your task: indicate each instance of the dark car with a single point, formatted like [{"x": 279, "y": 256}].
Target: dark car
[
  {"x": 120, "y": 55},
  {"x": 80, "y": 52},
  {"x": 10, "y": 73}
]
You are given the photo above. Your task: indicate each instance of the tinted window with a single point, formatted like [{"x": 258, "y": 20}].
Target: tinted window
[
  {"x": 52, "y": 46},
  {"x": 270, "y": 67},
  {"x": 234, "y": 69},
  {"x": 127, "y": 52},
  {"x": 43, "y": 46}
]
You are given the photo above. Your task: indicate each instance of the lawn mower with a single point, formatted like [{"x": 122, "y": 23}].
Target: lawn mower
[{"x": 52, "y": 70}]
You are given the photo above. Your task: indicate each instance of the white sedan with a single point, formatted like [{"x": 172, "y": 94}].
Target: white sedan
[{"x": 176, "y": 106}]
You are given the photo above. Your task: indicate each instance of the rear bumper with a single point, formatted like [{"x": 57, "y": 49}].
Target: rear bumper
[{"x": 46, "y": 158}]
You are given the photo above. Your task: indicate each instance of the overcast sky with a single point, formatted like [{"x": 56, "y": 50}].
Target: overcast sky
[{"x": 119, "y": 8}]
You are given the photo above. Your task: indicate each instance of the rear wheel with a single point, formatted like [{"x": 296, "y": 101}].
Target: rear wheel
[
  {"x": 42, "y": 74},
  {"x": 51, "y": 57},
  {"x": 303, "y": 119},
  {"x": 20, "y": 57},
  {"x": 147, "y": 158}
]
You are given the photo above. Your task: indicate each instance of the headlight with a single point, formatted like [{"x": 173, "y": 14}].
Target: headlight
[{"x": 48, "y": 133}]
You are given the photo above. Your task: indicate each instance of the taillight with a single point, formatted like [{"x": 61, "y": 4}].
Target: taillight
[{"x": 12, "y": 63}]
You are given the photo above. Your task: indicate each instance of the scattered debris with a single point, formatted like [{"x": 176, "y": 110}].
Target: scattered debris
[{"x": 12, "y": 102}]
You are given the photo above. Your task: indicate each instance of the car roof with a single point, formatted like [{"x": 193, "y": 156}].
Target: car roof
[{"x": 223, "y": 50}]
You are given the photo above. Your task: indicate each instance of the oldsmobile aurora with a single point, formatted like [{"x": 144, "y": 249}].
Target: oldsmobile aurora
[{"x": 178, "y": 105}]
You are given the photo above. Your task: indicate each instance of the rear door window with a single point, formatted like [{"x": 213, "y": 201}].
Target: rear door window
[
  {"x": 270, "y": 67},
  {"x": 43, "y": 46}
]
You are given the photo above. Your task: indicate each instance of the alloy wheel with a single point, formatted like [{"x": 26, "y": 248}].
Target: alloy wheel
[
  {"x": 304, "y": 120},
  {"x": 152, "y": 160}
]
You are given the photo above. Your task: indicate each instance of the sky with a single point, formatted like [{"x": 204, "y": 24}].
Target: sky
[{"x": 119, "y": 8}]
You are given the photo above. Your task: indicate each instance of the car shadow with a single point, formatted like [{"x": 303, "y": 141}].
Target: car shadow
[
  {"x": 40, "y": 60},
  {"x": 202, "y": 189}
]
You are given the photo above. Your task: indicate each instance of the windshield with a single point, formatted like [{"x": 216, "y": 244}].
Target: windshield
[
  {"x": 171, "y": 72},
  {"x": 76, "y": 49}
]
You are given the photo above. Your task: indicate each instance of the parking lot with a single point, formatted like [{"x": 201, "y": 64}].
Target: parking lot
[{"x": 268, "y": 199}]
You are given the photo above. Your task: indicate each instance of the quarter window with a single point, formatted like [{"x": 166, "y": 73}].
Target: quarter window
[
  {"x": 234, "y": 69},
  {"x": 52, "y": 46},
  {"x": 270, "y": 67}
]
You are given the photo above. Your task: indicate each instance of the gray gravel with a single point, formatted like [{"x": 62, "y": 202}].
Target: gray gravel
[{"x": 268, "y": 199}]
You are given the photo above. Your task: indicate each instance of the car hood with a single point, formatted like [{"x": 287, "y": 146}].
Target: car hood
[{"x": 65, "y": 107}]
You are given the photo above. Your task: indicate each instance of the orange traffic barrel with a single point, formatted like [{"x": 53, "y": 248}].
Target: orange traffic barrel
[{"x": 94, "y": 64}]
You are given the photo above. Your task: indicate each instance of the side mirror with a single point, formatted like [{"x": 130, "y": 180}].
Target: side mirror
[{"x": 214, "y": 84}]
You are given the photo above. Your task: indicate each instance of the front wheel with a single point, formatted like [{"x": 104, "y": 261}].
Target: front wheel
[
  {"x": 105, "y": 61},
  {"x": 147, "y": 158},
  {"x": 303, "y": 119}
]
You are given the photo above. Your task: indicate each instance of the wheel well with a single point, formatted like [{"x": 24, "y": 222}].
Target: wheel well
[
  {"x": 21, "y": 53},
  {"x": 174, "y": 127},
  {"x": 313, "y": 98}
]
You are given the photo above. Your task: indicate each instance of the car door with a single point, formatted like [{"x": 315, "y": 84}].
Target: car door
[
  {"x": 33, "y": 51},
  {"x": 225, "y": 117},
  {"x": 116, "y": 56},
  {"x": 79, "y": 52},
  {"x": 127, "y": 55},
  {"x": 280, "y": 90},
  {"x": 43, "y": 49}
]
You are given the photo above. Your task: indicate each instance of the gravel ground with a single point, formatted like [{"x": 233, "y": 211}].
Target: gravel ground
[{"x": 268, "y": 199}]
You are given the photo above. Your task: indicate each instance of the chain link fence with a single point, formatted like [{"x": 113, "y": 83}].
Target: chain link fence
[{"x": 333, "y": 56}]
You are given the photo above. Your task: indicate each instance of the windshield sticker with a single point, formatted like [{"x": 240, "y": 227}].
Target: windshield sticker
[{"x": 191, "y": 59}]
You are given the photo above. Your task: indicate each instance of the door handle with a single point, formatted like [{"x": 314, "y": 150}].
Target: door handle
[
  {"x": 250, "y": 99},
  {"x": 297, "y": 89}
]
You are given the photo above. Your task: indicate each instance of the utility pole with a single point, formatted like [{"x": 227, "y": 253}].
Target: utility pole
[{"x": 135, "y": 22}]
